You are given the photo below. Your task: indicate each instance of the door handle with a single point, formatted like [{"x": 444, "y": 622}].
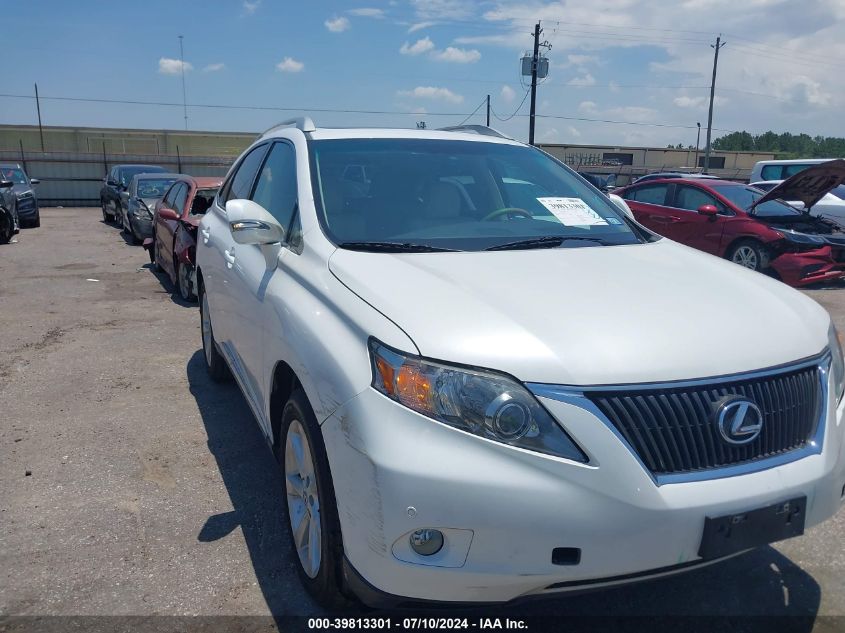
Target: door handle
[
  {"x": 206, "y": 235},
  {"x": 229, "y": 256},
  {"x": 663, "y": 219}
]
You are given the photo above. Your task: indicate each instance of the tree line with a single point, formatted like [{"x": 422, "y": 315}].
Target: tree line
[{"x": 784, "y": 145}]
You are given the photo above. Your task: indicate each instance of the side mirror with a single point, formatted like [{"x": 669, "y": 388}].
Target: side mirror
[
  {"x": 251, "y": 223},
  {"x": 34, "y": 181},
  {"x": 166, "y": 213},
  {"x": 621, "y": 204},
  {"x": 5, "y": 184},
  {"x": 708, "y": 209}
]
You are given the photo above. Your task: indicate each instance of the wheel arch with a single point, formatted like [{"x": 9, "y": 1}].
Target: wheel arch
[{"x": 283, "y": 384}]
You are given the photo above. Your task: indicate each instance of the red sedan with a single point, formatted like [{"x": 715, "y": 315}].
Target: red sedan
[
  {"x": 173, "y": 245},
  {"x": 720, "y": 217}
]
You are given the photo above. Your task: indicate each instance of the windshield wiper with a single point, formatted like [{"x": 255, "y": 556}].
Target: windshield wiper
[
  {"x": 394, "y": 247},
  {"x": 549, "y": 241}
]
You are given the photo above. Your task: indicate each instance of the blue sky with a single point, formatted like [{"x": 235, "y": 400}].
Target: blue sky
[{"x": 642, "y": 64}]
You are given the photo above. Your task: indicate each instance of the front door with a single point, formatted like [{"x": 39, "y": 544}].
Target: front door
[{"x": 692, "y": 228}]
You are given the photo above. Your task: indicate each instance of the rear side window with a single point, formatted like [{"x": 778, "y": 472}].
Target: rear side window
[
  {"x": 240, "y": 184},
  {"x": 791, "y": 170},
  {"x": 276, "y": 186},
  {"x": 650, "y": 194}
]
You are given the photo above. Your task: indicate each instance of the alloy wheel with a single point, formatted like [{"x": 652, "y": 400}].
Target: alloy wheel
[
  {"x": 184, "y": 274},
  {"x": 746, "y": 256},
  {"x": 303, "y": 499}
]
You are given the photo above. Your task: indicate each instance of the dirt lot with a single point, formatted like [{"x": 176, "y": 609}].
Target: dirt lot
[{"x": 130, "y": 484}]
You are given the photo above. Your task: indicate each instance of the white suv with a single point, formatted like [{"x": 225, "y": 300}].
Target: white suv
[{"x": 483, "y": 381}]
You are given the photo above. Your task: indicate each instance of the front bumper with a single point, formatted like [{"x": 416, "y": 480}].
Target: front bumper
[
  {"x": 504, "y": 510},
  {"x": 808, "y": 267},
  {"x": 27, "y": 208}
]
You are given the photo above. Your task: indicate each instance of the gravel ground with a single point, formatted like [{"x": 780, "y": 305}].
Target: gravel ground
[{"x": 132, "y": 485}]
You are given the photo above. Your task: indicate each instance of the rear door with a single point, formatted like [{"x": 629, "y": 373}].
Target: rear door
[
  {"x": 693, "y": 228},
  {"x": 649, "y": 204}
]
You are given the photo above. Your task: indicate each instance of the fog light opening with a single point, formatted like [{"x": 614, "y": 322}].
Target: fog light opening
[{"x": 426, "y": 542}]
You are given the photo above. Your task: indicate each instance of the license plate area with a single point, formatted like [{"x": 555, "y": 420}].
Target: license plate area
[{"x": 733, "y": 533}]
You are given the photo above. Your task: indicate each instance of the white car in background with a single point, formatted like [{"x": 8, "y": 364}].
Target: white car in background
[
  {"x": 478, "y": 400},
  {"x": 831, "y": 205}
]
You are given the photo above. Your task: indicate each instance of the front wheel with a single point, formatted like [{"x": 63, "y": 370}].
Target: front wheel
[
  {"x": 310, "y": 502},
  {"x": 749, "y": 254},
  {"x": 7, "y": 227}
]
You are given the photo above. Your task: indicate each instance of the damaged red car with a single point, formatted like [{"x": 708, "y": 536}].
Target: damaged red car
[
  {"x": 742, "y": 224},
  {"x": 175, "y": 220}
]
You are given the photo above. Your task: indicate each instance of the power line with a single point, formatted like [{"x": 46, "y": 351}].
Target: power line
[
  {"x": 471, "y": 114},
  {"x": 518, "y": 108}
]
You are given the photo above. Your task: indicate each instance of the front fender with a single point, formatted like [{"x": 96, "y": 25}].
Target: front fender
[{"x": 185, "y": 246}]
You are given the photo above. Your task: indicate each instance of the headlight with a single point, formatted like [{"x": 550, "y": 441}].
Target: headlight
[
  {"x": 801, "y": 238},
  {"x": 480, "y": 402},
  {"x": 837, "y": 365}
]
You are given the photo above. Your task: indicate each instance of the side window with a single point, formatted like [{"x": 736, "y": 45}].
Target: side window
[
  {"x": 276, "y": 186},
  {"x": 171, "y": 195},
  {"x": 240, "y": 185},
  {"x": 791, "y": 170},
  {"x": 690, "y": 198},
  {"x": 772, "y": 172},
  {"x": 179, "y": 198},
  {"x": 650, "y": 194}
]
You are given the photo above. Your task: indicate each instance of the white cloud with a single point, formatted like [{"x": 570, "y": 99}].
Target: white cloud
[
  {"x": 433, "y": 93},
  {"x": 168, "y": 66},
  {"x": 337, "y": 24},
  {"x": 457, "y": 55},
  {"x": 573, "y": 132},
  {"x": 367, "y": 12},
  {"x": 551, "y": 135},
  {"x": 213, "y": 68},
  {"x": 508, "y": 94},
  {"x": 584, "y": 80},
  {"x": 698, "y": 103},
  {"x": 417, "y": 48},
  {"x": 444, "y": 9},
  {"x": 251, "y": 7},
  {"x": 419, "y": 26},
  {"x": 587, "y": 107},
  {"x": 290, "y": 65}
]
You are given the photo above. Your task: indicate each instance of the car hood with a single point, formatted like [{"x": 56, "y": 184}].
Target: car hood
[
  {"x": 592, "y": 315},
  {"x": 20, "y": 189},
  {"x": 810, "y": 185},
  {"x": 151, "y": 202}
]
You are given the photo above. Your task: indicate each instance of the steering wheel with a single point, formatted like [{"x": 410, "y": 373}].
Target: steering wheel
[{"x": 505, "y": 211}]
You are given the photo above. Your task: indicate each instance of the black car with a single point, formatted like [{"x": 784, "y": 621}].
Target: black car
[
  {"x": 23, "y": 195},
  {"x": 113, "y": 196},
  {"x": 142, "y": 195},
  {"x": 8, "y": 215}
]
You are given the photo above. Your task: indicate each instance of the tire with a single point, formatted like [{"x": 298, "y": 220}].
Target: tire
[
  {"x": 130, "y": 232},
  {"x": 154, "y": 257},
  {"x": 214, "y": 361},
  {"x": 7, "y": 227},
  {"x": 106, "y": 216},
  {"x": 37, "y": 222},
  {"x": 749, "y": 254},
  {"x": 309, "y": 496},
  {"x": 183, "y": 280}
]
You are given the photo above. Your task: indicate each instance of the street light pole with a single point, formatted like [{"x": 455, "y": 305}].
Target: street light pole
[{"x": 719, "y": 44}]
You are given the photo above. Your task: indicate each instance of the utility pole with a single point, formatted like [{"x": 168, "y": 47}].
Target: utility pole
[
  {"x": 534, "y": 62},
  {"x": 38, "y": 107},
  {"x": 719, "y": 44},
  {"x": 182, "y": 68},
  {"x": 488, "y": 110},
  {"x": 697, "y": 141}
]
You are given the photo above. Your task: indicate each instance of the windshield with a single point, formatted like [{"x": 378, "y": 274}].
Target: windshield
[
  {"x": 743, "y": 197},
  {"x": 459, "y": 195},
  {"x": 127, "y": 173},
  {"x": 153, "y": 187},
  {"x": 14, "y": 174}
]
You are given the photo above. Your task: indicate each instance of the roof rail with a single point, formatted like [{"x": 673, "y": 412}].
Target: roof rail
[
  {"x": 303, "y": 123},
  {"x": 477, "y": 129}
]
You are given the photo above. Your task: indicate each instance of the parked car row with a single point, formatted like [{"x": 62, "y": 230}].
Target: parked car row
[
  {"x": 161, "y": 210},
  {"x": 751, "y": 226},
  {"x": 18, "y": 202},
  {"x": 484, "y": 381}
]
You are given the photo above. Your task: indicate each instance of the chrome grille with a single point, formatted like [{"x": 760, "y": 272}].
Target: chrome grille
[{"x": 672, "y": 429}]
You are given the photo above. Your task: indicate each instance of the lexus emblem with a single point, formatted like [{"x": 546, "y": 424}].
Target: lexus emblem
[{"x": 739, "y": 420}]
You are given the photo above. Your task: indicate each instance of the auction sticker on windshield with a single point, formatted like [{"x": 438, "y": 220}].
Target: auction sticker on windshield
[{"x": 572, "y": 211}]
